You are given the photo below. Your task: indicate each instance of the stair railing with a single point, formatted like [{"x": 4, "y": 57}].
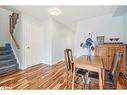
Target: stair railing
[{"x": 12, "y": 22}]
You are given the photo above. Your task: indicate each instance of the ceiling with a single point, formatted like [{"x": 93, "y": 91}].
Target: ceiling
[{"x": 70, "y": 14}]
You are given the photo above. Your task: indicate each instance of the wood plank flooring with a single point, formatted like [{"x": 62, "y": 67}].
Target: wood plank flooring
[{"x": 40, "y": 76}]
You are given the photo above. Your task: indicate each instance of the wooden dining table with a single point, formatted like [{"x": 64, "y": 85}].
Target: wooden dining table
[{"x": 94, "y": 63}]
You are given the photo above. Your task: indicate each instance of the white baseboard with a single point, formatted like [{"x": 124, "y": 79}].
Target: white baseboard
[
  {"x": 57, "y": 61},
  {"x": 52, "y": 63}
]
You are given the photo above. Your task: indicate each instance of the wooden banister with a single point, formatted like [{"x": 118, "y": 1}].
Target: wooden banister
[
  {"x": 10, "y": 24},
  {"x": 16, "y": 43},
  {"x": 13, "y": 20}
]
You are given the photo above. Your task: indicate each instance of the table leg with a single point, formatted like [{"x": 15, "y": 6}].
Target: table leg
[
  {"x": 103, "y": 75},
  {"x": 73, "y": 80},
  {"x": 100, "y": 79}
]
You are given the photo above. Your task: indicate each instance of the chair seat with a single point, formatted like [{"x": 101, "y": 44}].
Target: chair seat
[
  {"x": 81, "y": 71},
  {"x": 94, "y": 75}
]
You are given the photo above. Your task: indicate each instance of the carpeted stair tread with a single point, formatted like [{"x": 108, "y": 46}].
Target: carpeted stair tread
[
  {"x": 5, "y": 69},
  {"x": 7, "y": 64},
  {"x": 6, "y": 57},
  {"x": 6, "y": 52},
  {"x": 4, "y": 48},
  {"x": 7, "y": 60}
]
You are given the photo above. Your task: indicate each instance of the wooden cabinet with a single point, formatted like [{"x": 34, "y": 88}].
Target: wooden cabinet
[
  {"x": 103, "y": 52},
  {"x": 107, "y": 51}
]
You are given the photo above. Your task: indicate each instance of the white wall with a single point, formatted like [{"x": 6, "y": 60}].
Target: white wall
[
  {"x": 62, "y": 38},
  {"x": 104, "y": 25},
  {"x": 4, "y": 27},
  {"x": 125, "y": 33},
  {"x": 125, "y": 28},
  {"x": 47, "y": 41}
]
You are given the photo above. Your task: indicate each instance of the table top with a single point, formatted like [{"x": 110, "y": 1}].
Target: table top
[{"x": 93, "y": 64}]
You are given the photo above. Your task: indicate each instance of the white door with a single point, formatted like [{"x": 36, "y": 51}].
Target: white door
[
  {"x": 35, "y": 45},
  {"x": 32, "y": 46}
]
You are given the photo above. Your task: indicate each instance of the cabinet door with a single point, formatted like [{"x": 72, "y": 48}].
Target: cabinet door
[
  {"x": 112, "y": 51},
  {"x": 103, "y": 52}
]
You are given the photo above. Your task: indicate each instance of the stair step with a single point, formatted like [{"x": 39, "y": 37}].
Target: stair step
[
  {"x": 8, "y": 61},
  {"x": 5, "y": 52},
  {"x": 8, "y": 64},
  {"x": 8, "y": 45},
  {"x": 6, "y": 57},
  {"x": 5, "y": 48},
  {"x": 8, "y": 68}
]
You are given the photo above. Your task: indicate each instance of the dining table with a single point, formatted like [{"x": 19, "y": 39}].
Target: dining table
[{"x": 90, "y": 63}]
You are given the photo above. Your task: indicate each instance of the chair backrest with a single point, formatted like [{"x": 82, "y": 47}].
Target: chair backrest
[
  {"x": 68, "y": 59},
  {"x": 115, "y": 68}
]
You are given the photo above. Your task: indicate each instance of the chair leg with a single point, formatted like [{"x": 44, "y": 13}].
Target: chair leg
[
  {"x": 84, "y": 83},
  {"x": 67, "y": 83},
  {"x": 84, "y": 86},
  {"x": 89, "y": 86},
  {"x": 67, "y": 80}
]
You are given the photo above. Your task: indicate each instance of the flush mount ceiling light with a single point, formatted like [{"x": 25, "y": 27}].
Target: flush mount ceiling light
[{"x": 55, "y": 11}]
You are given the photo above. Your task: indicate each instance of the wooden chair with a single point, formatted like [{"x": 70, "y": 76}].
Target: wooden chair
[
  {"x": 111, "y": 76},
  {"x": 70, "y": 67}
]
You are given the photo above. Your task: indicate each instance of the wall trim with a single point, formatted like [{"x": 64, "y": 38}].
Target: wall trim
[{"x": 62, "y": 59}]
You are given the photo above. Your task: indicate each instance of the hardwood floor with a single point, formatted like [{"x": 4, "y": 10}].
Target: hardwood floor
[{"x": 41, "y": 76}]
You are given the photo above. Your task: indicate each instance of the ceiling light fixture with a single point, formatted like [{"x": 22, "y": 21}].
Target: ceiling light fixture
[{"x": 55, "y": 11}]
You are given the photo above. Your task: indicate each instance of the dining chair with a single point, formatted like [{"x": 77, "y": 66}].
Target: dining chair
[
  {"x": 70, "y": 68},
  {"x": 111, "y": 76}
]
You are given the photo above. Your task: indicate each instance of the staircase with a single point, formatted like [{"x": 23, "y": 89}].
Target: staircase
[{"x": 8, "y": 62}]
